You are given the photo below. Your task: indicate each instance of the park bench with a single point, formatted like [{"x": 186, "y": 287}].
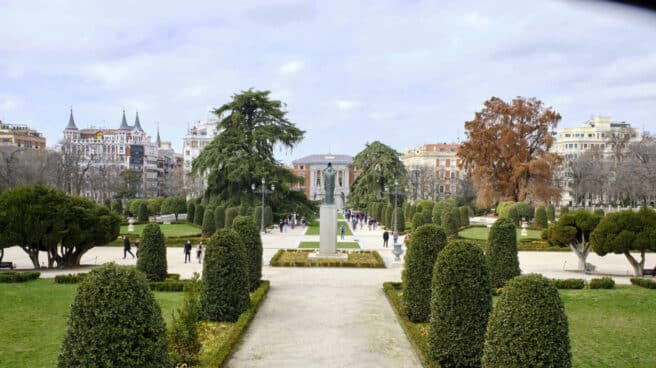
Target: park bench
[
  {"x": 647, "y": 272},
  {"x": 9, "y": 265}
]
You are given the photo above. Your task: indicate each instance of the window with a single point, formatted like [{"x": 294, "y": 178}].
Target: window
[
  {"x": 453, "y": 175},
  {"x": 318, "y": 178},
  {"x": 567, "y": 135},
  {"x": 340, "y": 176},
  {"x": 441, "y": 188}
]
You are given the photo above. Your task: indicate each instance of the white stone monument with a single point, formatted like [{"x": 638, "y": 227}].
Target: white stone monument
[
  {"x": 328, "y": 220},
  {"x": 131, "y": 224}
]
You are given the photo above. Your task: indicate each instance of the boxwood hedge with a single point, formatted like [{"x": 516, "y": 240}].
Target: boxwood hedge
[{"x": 152, "y": 253}]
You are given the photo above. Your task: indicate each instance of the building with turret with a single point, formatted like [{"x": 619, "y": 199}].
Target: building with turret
[{"x": 101, "y": 154}]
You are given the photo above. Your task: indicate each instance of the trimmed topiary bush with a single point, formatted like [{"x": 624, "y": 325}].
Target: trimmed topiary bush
[
  {"x": 602, "y": 283},
  {"x": 524, "y": 211},
  {"x": 191, "y": 211},
  {"x": 502, "y": 252},
  {"x": 528, "y": 327},
  {"x": 426, "y": 242},
  {"x": 230, "y": 215},
  {"x": 571, "y": 284},
  {"x": 249, "y": 233},
  {"x": 199, "y": 215},
  {"x": 209, "y": 225},
  {"x": 541, "y": 218},
  {"x": 564, "y": 210},
  {"x": 464, "y": 216},
  {"x": 400, "y": 220},
  {"x": 461, "y": 302},
  {"x": 551, "y": 213},
  {"x": 117, "y": 206},
  {"x": 389, "y": 216},
  {"x": 183, "y": 333},
  {"x": 224, "y": 288},
  {"x": 451, "y": 221},
  {"x": 152, "y": 253},
  {"x": 643, "y": 282},
  {"x": 599, "y": 212},
  {"x": 219, "y": 217},
  {"x": 419, "y": 219},
  {"x": 268, "y": 216},
  {"x": 114, "y": 322},
  {"x": 142, "y": 214}
]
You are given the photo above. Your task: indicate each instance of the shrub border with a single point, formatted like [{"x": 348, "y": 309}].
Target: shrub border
[
  {"x": 391, "y": 290},
  {"x": 643, "y": 282},
  {"x": 14, "y": 277},
  {"x": 378, "y": 263},
  {"x": 234, "y": 336}
]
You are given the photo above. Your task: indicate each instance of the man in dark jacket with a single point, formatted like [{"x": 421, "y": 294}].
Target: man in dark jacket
[
  {"x": 385, "y": 239},
  {"x": 187, "y": 251},
  {"x": 126, "y": 247}
]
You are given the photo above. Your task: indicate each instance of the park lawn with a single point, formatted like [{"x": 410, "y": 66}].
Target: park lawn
[
  {"x": 481, "y": 232},
  {"x": 607, "y": 328},
  {"x": 33, "y": 316},
  {"x": 169, "y": 230},
  {"x": 314, "y": 228},
  {"x": 340, "y": 245}
]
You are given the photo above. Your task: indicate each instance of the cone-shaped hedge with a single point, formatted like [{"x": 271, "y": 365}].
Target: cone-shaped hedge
[
  {"x": 541, "y": 217},
  {"x": 142, "y": 214},
  {"x": 250, "y": 236},
  {"x": 209, "y": 225},
  {"x": 502, "y": 252},
  {"x": 451, "y": 221},
  {"x": 268, "y": 216},
  {"x": 464, "y": 215},
  {"x": 460, "y": 305},
  {"x": 219, "y": 217},
  {"x": 152, "y": 253},
  {"x": 191, "y": 210},
  {"x": 230, "y": 215},
  {"x": 528, "y": 327},
  {"x": 426, "y": 242},
  {"x": 224, "y": 288},
  {"x": 114, "y": 322},
  {"x": 551, "y": 213},
  {"x": 199, "y": 215}
]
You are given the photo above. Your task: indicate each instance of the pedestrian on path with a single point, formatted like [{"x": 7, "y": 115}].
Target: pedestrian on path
[
  {"x": 199, "y": 251},
  {"x": 385, "y": 239},
  {"x": 342, "y": 231},
  {"x": 396, "y": 236},
  {"x": 126, "y": 247},
  {"x": 281, "y": 224},
  {"x": 137, "y": 244},
  {"x": 187, "y": 251}
]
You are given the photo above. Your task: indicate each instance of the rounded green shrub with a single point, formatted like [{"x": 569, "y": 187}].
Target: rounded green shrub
[
  {"x": 117, "y": 206},
  {"x": 249, "y": 233},
  {"x": 426, "y": 242},
  {"x": 224, "y": 288},
  {"x": 152, "y": 253},
  {"x": 419, "y": 219},
  {"x": 400, "y": 220},
  {"x": 268, "y": 216},
  {"x": 541, "y": 217},
  {"x": 114, "y": 322},
  {"x": 142, "y": 214},
  {"x": 199, "y": 215},
  {"x": 602, "y": 283},
  {"x": 599, "y": 212},
  {"x": 524, "y": 211},
  {"x": 464, "y": 215},
  {"x": 230, "y": 215},
  {"x": 461, "y": 302},
  {"x": 528, "y": 327},
  {"x": 450, "y": 221},
  {"x": 209, "y": 225},
  {"x": 219, "y": 217},
  {"x": 502, "y": 252},
  {"x": 551, "y": 213},
  {"x": 564, "y": 210},
  {"x": 389, "y": 216},
  {"x": 191, "y": 211}
]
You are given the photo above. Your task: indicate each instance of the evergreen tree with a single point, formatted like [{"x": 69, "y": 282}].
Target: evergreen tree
[{"x": 152, "y": 253}]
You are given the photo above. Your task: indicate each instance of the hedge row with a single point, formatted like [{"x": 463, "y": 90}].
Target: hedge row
[
  {"x": 76, "y": 278},
  {"x": 602, "y": 283},
  {"x": 643, "y": 282},
  {"x": 169, "y": 285},
  {"x": 11, "y": 277},
  {"x": 277, "y": 261},
  {"x": 599, "y": 283}
]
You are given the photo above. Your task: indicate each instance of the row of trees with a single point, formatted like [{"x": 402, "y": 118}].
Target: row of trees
[
  {"x": 45, "y": 219},
  {"x": 449, "y": 286}
]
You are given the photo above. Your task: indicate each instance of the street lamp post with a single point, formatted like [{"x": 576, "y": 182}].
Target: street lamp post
[
  {"x": 397, "y": 246},
  {"x": 263, "y": 189},
  {"x": 416, "y": 173}
]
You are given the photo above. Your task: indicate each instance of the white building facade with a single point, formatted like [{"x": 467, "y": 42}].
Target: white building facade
[
  {"x": 311, "y": 169},
  {"x": 433, "y": 170},
  {"x": 197, "y": 137}
]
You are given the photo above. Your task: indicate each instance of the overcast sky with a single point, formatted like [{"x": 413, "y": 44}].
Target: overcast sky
[{"x": 402, "y": 72}]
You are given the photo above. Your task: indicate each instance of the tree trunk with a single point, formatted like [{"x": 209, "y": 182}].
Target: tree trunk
[
  {"x": 638, "y": 267},
  {"x": 2, "y": 253},
  {"x": 34, "y": 257},
  {"x": 581, "y": 252}
]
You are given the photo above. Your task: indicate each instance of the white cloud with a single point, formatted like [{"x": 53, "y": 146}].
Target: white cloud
[
  {"x": 292, "y": 67},
  {"x": 476, "y": 20},
  {"x": 345, "y": 105}
]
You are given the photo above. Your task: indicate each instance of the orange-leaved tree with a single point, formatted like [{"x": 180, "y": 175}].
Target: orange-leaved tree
[{"x": 507, "y": 151}]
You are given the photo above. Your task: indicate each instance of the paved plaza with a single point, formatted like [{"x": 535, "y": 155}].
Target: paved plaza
[{"x": 334, "y": 317}]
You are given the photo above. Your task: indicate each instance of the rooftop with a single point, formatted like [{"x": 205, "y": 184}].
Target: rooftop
[{"x": 324, "y": 159}]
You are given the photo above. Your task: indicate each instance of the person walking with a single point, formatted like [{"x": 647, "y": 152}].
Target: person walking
[
  {"x": 396, "y": 236},
  {"x": 187, "y": 251},
  {"x": 385, "y": 238},
  {"x": 126, "y": 247},
  {"x": 199, "y": 251},
  {"x": 342, "y": 231},
  {"x": 137, "y": 244},
  {"x": 281, "y": 224}
]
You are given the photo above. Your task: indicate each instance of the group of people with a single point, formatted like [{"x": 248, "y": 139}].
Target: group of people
[
  {"x": 199, "y": 251},
  {"x": 291, "y": 221},
  {"x": 360, "y": 218}
]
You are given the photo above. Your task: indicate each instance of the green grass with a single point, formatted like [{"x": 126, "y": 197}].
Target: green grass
[
  {"x": 313, "y": 229},
  {"x": 169, "y": 230},
  {"x": 607, "y": 328},
  {"x": 33, "y": 317},
  {"x": 340, "y": 245},
  {"x": 481, "y": 232}
]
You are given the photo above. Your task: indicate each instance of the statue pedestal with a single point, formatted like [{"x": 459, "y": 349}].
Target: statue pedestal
[{"x": 328, "y": 233}]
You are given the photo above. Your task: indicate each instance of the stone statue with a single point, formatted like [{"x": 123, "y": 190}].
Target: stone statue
[{"x": 329, "y": 184}]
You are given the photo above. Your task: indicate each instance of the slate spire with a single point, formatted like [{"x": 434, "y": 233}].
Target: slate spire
[
  {"x": 158, "y": 141},
  {"x": 137, "y": 124},
  {"x": 124, "y": 123},
  {"x": 71, "y": 122}
]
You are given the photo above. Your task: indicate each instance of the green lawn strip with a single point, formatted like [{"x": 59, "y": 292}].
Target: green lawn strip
[
  {"x": 33, "y": 316},
  {"x": 217, "y": 348},
  {"x": 169, "y": 230},
  {"x": 340, "y": 245},
  {"x": 533, "y": 242},
  {"x": 607, "y": 328},
  {"x": 299, "y": 258},
  {"x": 314, "y": 228},
  {"x": 481, "y": 233}
]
